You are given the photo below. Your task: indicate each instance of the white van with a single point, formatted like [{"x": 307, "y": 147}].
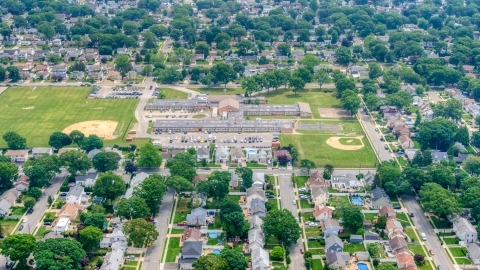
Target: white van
[{"x": 424, "y": 237}]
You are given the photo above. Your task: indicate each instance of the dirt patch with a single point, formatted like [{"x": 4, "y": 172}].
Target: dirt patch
[
  {"x": 333, "y": 113},
  {"x": 335, "y": 143},
  {"x": 28, "y": 108},
  {"x": 99, "y": 108},
  {"x": 103, "y": 129},
  {"x": 349, "y": 141}
]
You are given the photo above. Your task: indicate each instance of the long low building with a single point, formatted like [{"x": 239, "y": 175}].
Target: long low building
[{"x": 231, "y": 125}]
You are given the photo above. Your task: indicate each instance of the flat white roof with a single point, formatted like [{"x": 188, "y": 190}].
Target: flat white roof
[{"x": 63, "y": 222}]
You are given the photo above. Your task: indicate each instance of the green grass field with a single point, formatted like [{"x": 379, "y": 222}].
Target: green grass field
[
  {"x": 451, "y": 241},
  {"x": 463, "y": 261},
  {"x": 317, "y": 265},
  {"x": 458, "y": 251},
  {"x": 352, "y": 248},
  {"x": 348, "y": 126},
  {"x": 173, "y": 249},
  {"x": 36, "y": 114},
  {"x": 172, "y": 93},
  {"x": 411, "y": 233},
  {"x": 315, "y": 148},
  {"x": 218, "y": 90},
  {"x": 416, "y": 249}
]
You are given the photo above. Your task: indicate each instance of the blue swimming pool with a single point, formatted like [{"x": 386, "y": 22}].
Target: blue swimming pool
[
  {"x": 251, "y": 151},
  {"x": 213, "y": 235},
  {"x": 357, "y": 201},
  {"x": 362, "y": 266},
  {"x": 408, "y": 121},
  {"x": 217, "y": 251}
]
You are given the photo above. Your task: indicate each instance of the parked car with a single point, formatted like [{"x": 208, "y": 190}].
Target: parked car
[
  {"x": 8, "y": 264},
  {"x": 301, "y": 251},
  {"x": 431, "y": 252},
  {"x": 20, "y": 228},
  {"x": 181, "y": 224}
]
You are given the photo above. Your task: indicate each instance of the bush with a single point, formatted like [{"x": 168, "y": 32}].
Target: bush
[
  {"x": 99, "y": 262},
  {"x": 289, "y": 261},
  {"x": 277, "y": 253}
]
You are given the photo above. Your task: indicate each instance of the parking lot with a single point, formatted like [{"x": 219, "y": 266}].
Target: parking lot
[{"x": 201, "y": 139}]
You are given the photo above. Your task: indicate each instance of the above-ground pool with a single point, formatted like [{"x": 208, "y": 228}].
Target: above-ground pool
[
  {"x": 357, "y": 201},
  {"x": 217, "y": 251},
  {"x": 213, "y": 235},
  {"x": 362, "y": 266}
]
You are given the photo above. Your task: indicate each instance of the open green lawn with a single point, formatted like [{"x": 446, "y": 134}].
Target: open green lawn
[
  {"x": 256, "y": 165},
  {"x": 173, "y": 249},
  {"x": 172, "y": 93},
  {"x": 349, "y": 126},
  {"x": 350, "y": 141},
  {"x": 8, "y": 225},
  {"x": 463, "y": 261},
  {"x": 18, "y": 211},
  {"x": 370, "y": 216},
  {"x": 177, "y": 231},
  {"x": 416, "y": 249},
  {"x": 314, "y": 244},
  {"x": 352, "y": 248},
  {"x": 411, "y": 233},
  {"x": 315, "y": 148},
  {"x": 315, "y": 97},
  {"x": 40, "y": 231},
  {"x": 451, "y": 241},
  {"x": 36, "y": 114},
  {"x": 301, "y": 180},
  {"x": 458, "y": 251},
  {"x": 317, "y": 265},
  {"x": 218, "y": 90}
]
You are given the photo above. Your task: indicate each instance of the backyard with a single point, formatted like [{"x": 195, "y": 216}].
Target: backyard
[{"x": 36, "y": 112}]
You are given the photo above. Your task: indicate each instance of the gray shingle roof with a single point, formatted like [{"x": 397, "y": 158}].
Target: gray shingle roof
[
  {"x": 75, "y": 191},
  {"x": 192, "y": 248},
  {"x": 379, "y": 193}
]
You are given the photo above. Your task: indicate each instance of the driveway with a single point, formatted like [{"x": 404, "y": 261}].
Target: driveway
[
  {"x": 287, "y": 196},
  {"x": 154, "y": 253},
  {"x": 423, "y": 226},
  {"x": 140, "y": 112},
  {"x": 434, "y": 97}
]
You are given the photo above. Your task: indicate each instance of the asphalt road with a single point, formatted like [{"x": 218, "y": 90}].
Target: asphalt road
[
  {"x": 154, "y": 252},
  {"x": 434, "y": 97},
  {"x": 38, "y": 211},
  {"x": 287, "y": 196},
  {"x": 378, "y": 145},
  {"x": 140, "y": 112},
  {"x": 423, "y": 226}
]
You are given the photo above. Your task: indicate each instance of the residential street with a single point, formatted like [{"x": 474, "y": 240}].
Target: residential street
[
  {"x": 154, "y": 253},
  {"x": 378, "y": 145},
  {"x": 266, "y": 171},
  {"x": 287, "y": 196},
  {"x": 423, "y": 226},
  {"x": 434, "y": 97}
]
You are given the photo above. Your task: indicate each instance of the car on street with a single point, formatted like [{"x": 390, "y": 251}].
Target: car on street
[
  {"x": 294, "y": 203},
  {"x": 270, "y": 196},
  {"x": 20, "y": 228},
  {"x": 386, "y": 147},
  {"x": 181, "y": 224},
  {"x": 30, "y": 211},
  {"x": 8, "y": 264},
  {"x": 25, "y": 220},
  {"x": 431, "y": 252},
  {"x": 439, "y": 267},
  {"x": 411, "y": 215},
  {"x": 63, "y": 194},
  {"x": 301, "y": 251}
]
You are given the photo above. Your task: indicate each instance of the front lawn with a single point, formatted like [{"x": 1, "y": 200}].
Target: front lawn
[
  {"x": 305, "y": 204},
  {"x": 411, "y": 234},
  {"x": 218, "y": 90},
  {"x": 370, "y": 216},
  {"x": 177, "y": 231},
  {"x": 301, "y": 181},
  {"x": 8, "y": 225},
  {"x": 255, "y": 165},
  {"x": 352, "y": 248},
  {"x": 458, "y": 251},
  {"x": 416, "y": 249},
  {"x": 451, "y": 241},
  {"x": 441, "y": 224},
  {"x": 173, "y": 249},
  {"x": 463, "y": 261},
  {"x": 317, "y": 265},
  {"x": 314, "y": 244},
  {"x": 18, "y": 211}
]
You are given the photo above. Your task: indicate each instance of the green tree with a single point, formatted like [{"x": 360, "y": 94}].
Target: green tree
[
  {"x": 106, "y": 161},
  {"x": 180, "y": 184},
  {"x": 387, "y": 266},
  {"x": 140, "y": 232},
  {"x": 374, "y": 70},
  {"x": 59, "y": 140},
  {"x": 76, "y": 137},
  {"x": 296, "y": 83},
  {"x": 310, "y": 61},
  {"x": 58, "y": 253},
  {"x": 223, "y": 73},
  {"x": 439, "y": 200},
  {"x": 462, "y": 136},
  {"x": 250, "y": 85},
  {"x": 37, "y": 175},
  {"x": 75, "y": 161},
  {"x": 277, "y": 253},
  {"x": 14, "y": 141},
  {"x": 472, "y": 165},
  {"x": 307, "y": 165},
  {"x": 123, "y": 64},
  {"x": 451, "y": 108},
  {"x": 18, "y": 247},
  {"x": 246, "y": 174},
  {"x": 321, "y": 77},
  {"x": 13, "y": 73},
  {"x": 284, "y": 49},
  {"x": 91, "y": 142},
  {"x": 351, "y": 102},
  {"x": 437, "y": 134},
  {"x": 46, "y": 29},
  {"x": 352, "y": 217},
  {"x": 93, "y": 219},
  {"x": 476, "y": 139},
  {"x": 282, "y": 225},
  {"x": 8, "y": 172},
  {"x": 234, "y": 258},
  {"x": 381, "y": 222},
  {"x": 132, "y": 208},
  {"x": 109, "y": 186},
  {"x": 149, "y": 156},
  {"x": 169, "y": 75},
  {"x": 344, "y": 56},
  {"x": 183, "y": 169},
  {"x": 210, "y": 262},
  {"x": 151, "y": 190},
  {"x": 35, "y": 192},
  {"x": 90, "y": 236}
]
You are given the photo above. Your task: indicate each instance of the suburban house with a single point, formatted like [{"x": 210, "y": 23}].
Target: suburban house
[
  {"x": 203, "y": 153},
  {"x": 337, "y": 260},
  {"x": 191, "y": 251},
  {"x": 316, "y": 179},
  {"x": 4, "y": 207},
  {"x": 258, "y": 179},
  {"x": 319, "y": 195},
  {"x": 116, "y": 236},
  {"x": 222, "y": 154},
  {"x": 39, "y": 151},
  {"x": 22, "y": 183},
  {"x": 380, "y": 198},
  {"x": 87, "y": 180},
  {"x": 255, "y": 222},
  {"x": 260, "y": 156},
  {"x": 344, "y": 181},
  {"x": 405, "y": 142},
  {"x": 76, "y": 195},
  {"x": 474, "y": 253},
  {"x": 397, "y": 243},
  {"x": 254, "y": 192},
  {"x": 237, "y": 155},
  {"x": 333, "y": 243},
  {"x": 17, "y": 155},
  {"x": 256, "y": 237},
  {"x": 331, "y": 227},
  {"x": 405, "y": 261},
  {"x": 260, "y": 258},
  {"x": 10, "y": 195},
  {"x": 198, "y": 217},
  {"x": 233, "y": 180},
  {"x": 71, "y": 211},
  {"x": 356, "y": 239},
  {"x": 61, "y": 225},
  {"x": 115, "y": 258},
  {"x": 191, "y": 234},
  {"x": 464, "y": 230},
  {"x": 388, "y": 212},
  {"x": 257, "y": 207},
  {"x": 321, "y": 212},
  {"x": 394, "y": 228}
]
